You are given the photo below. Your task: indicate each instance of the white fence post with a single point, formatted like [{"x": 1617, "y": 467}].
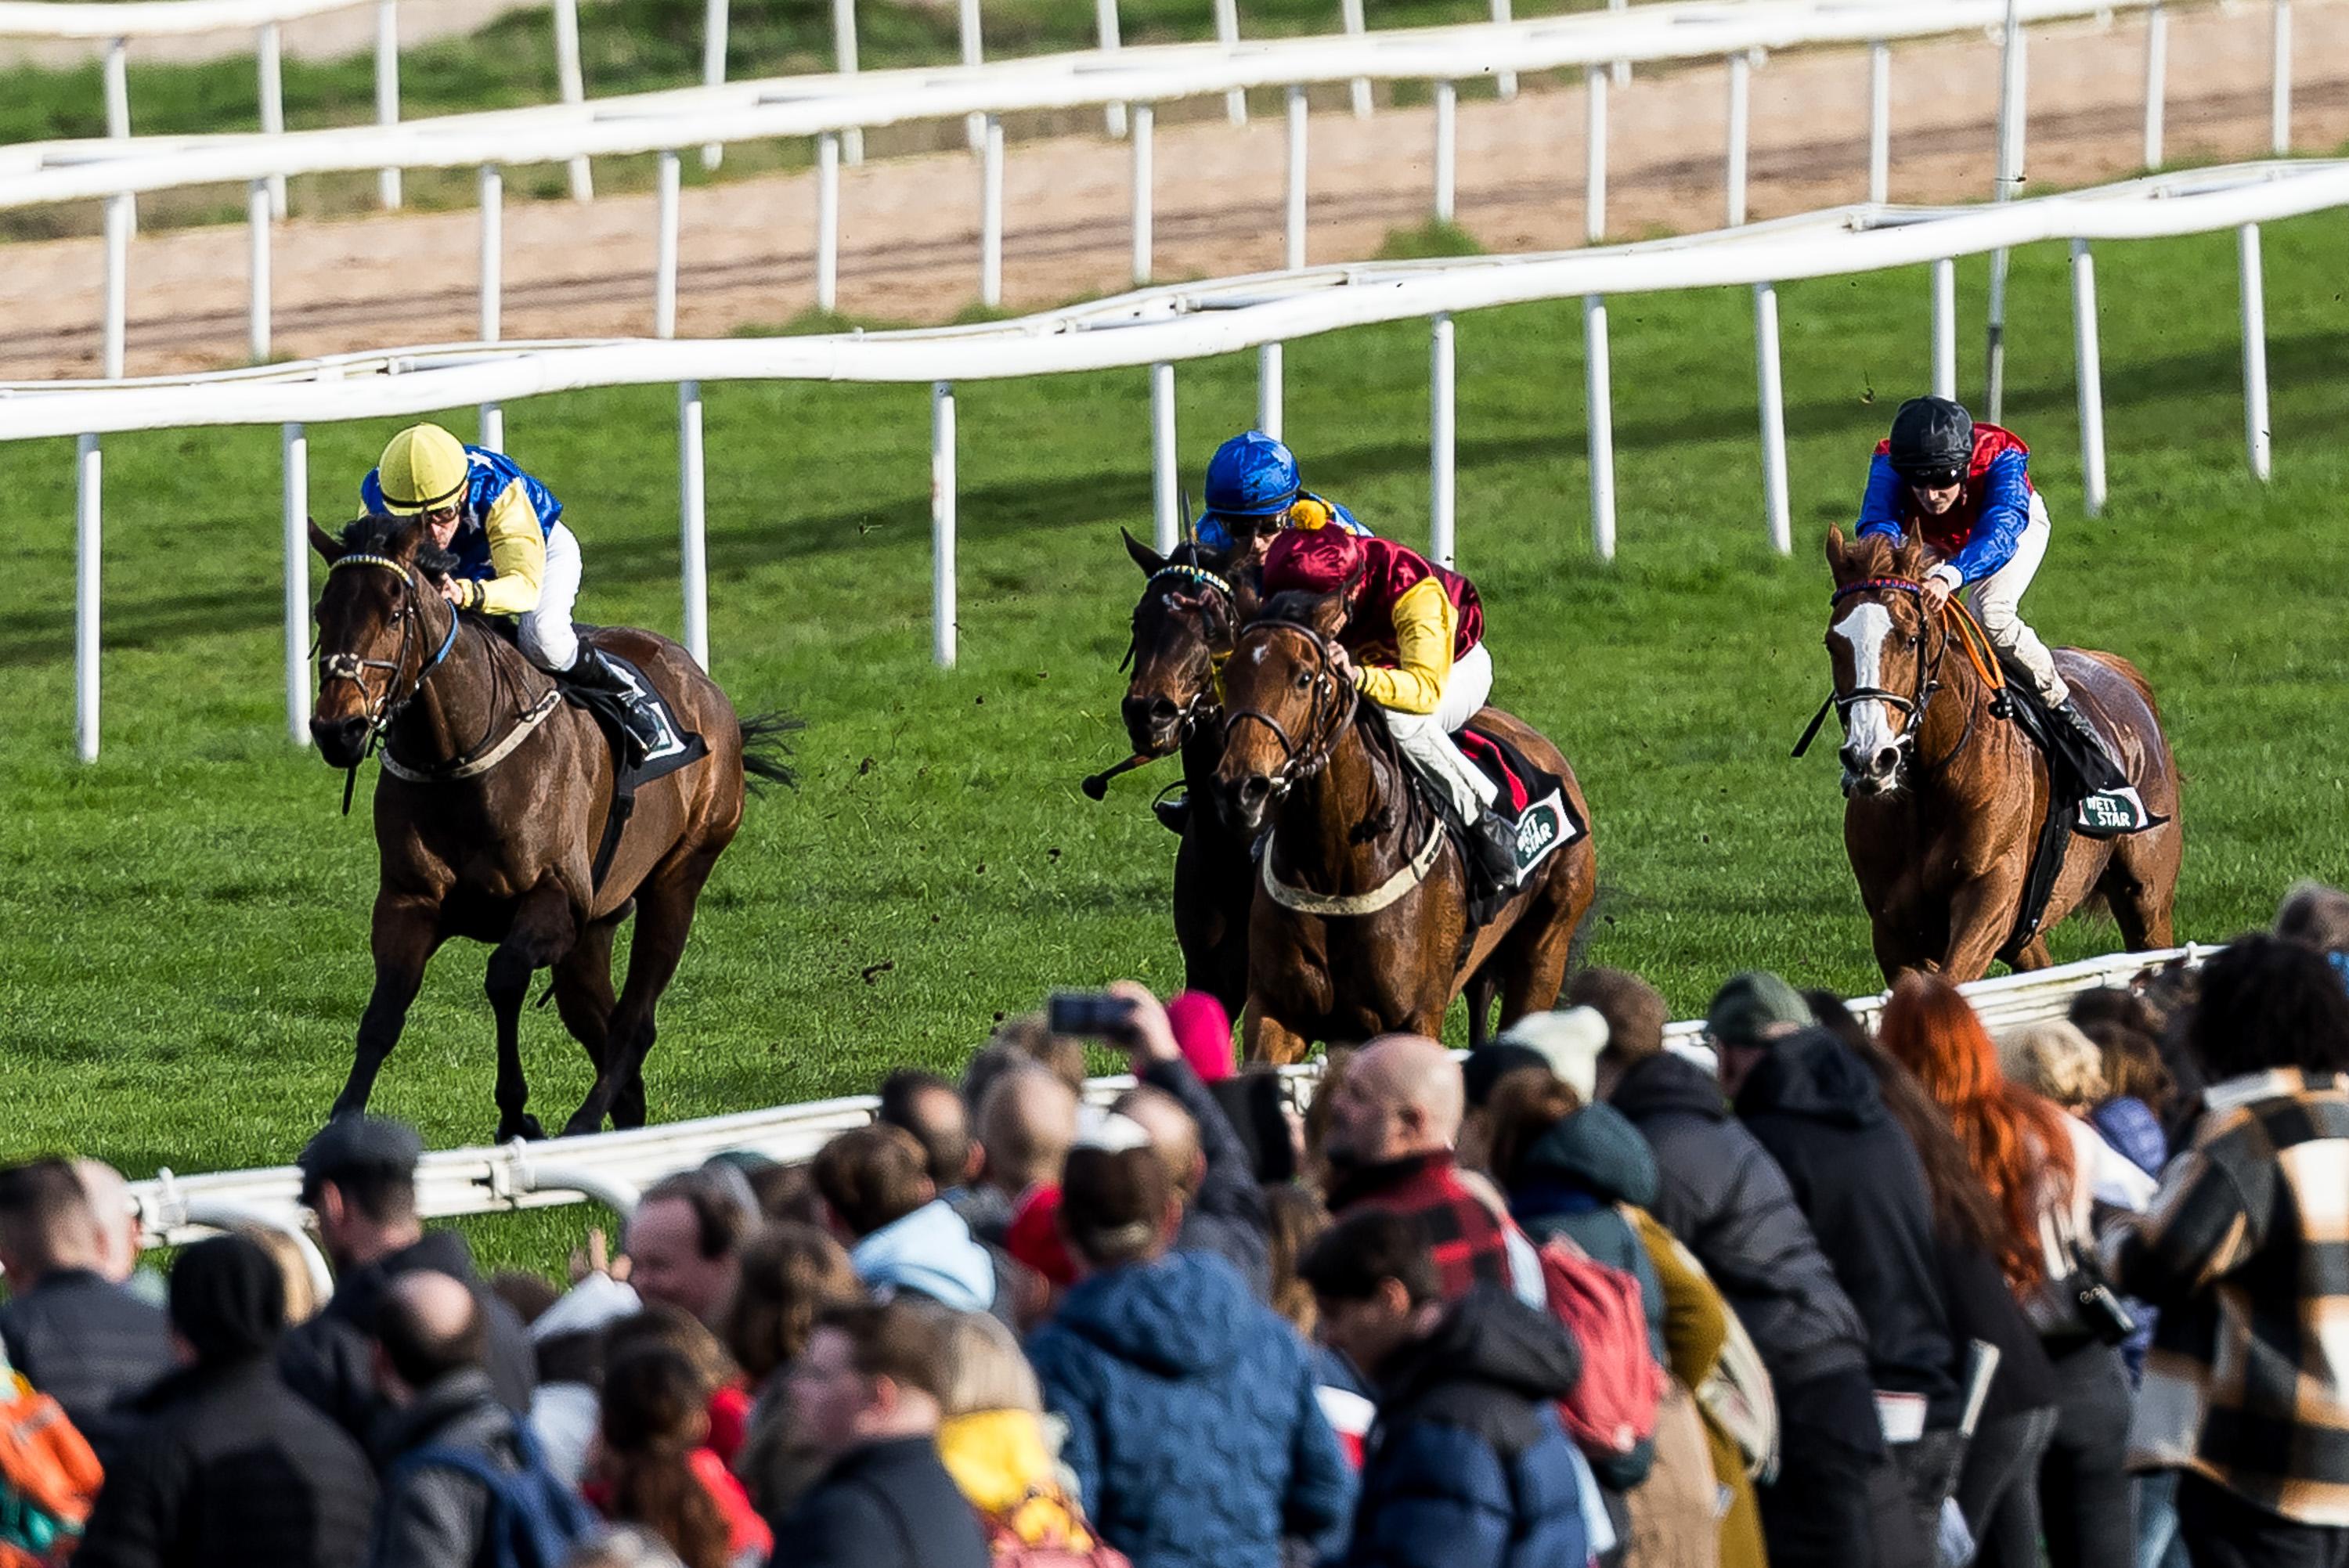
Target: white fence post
[
  {"x": 1621, "y": 69},
  {"x": 1505, "y": 82},
  {"x": 990, "y": 213},
  {"x": 2088, "y": 368},
  {"x": 693, "y": 538},
  {"x": 493, "y": 419},
  {"x": 571, "y": 82},
  {"x": 1227, "y": 32},
  {"x": 2156, "y": 71},
  {"x": 1879, "y": 121},
  {"x": 1600, "y": 395},
  {"x": 1143, "y": 117},
  {"x": 716, "y": 14},
  {"x": 1447, "y": 148},
  {"x": 2255, "y": 354},
  {"x": 664, "y": 247},
  {"x": 1774, "y": 417},
  {"x": 1268, "y": 372},
  {"x": 2279, "y": 101},
  {"x": 1740, "y": 92},
  {"x": 270, "y": 54},
  {"x": 493, "y": 203},
  {"x": 256, "y": 228},
  {"x": 2012, "y": 106},
  {"x": 117, "y": 326},
  {"x": 827, "y": 222},
  {"x": 1166, "y": 506},
  {"x": 974, "y": 125},
  {"x": 1294, "y": 254},
  {"x": 1443, "y": 429},
  {"x": 942, "y": 524},
  {"x": 387, "y": 92},
  {"x": 117, "y": 93},
  {"x": 1594, "y": 154},
  {"x": 293, "y": 445},
  {"x": 1351, "y": 12},
  {"x": 843, "y": 59},
  {"x": 88, "y": 472},
  {"x": 1106, "y": 29},
  {"x": 1945, "y": 328}
]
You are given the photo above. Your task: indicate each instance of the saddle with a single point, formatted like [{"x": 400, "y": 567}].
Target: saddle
[
  {"x": 2072, "y": 806},
  {"x": 678, "y": 746},
  {"x": 1531, "y": 799}
]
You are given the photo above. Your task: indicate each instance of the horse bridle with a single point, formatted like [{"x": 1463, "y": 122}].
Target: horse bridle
[
  {"x": 1928, "y": 670},
  {"x": 1204, "y": 699},
  {"x": 1334, "y": 700},
  {"x": 382, "y": 711}
]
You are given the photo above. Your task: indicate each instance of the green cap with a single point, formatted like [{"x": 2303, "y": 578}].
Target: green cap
[{"x": 1749, "y": 1003}]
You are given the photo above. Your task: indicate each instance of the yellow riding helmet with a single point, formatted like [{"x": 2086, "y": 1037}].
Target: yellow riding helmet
[{"x": 424, "y": 467}]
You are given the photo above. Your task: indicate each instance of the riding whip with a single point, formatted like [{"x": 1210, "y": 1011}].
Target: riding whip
[{"x": 1096, "y": 788}]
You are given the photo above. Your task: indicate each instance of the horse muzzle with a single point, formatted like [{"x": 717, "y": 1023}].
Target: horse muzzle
[
  {"x": 1154, "y": 725},
  {"x": 342, "y": 740},
  {"x": 1867, "y": 773},
  {"x": 1245, "y": 802}
]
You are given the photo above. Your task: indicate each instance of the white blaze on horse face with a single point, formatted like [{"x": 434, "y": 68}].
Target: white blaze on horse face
[{"x": 1868, "y": 726}]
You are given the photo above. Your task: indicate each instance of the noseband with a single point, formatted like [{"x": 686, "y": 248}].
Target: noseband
[
  {"x": 1334, "y": 701},
  {"x": 1927, "y": 669}
]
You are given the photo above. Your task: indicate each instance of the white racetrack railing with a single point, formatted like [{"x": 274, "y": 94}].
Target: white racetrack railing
[
  {"x": 1159, "y": 327},
  {"x": 833, "y": 108},
  {"x": 613, "y": 1168}
]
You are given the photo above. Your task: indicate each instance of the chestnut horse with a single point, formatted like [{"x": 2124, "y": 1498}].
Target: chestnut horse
[
  {"x": 1187, "y": 616},
  {"x": 1349, "y": 826},
  {"x": 1945, "y": 802},
  {"x": 491, "y": 807}
]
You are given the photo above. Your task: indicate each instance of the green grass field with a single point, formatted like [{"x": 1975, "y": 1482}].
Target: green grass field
[{"x": 182, "y": 925}]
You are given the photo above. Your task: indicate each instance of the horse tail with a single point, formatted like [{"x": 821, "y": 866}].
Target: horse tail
[{"x": 766, "y": 748}]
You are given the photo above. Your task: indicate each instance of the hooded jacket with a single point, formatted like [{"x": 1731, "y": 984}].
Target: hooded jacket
[
  {"x": 1467, "y": 1466},
  {"x": 930, "y": 1252},
  {"x": 434, "y": 1516},
  {"x": 1195, "y": 1431},
  {"x": 224, "y": 1466},
  {"x": 1815, "y": 1107},
  {"x": 1721, "y": 1194},
  {"x": 1569, "y": 1183}
]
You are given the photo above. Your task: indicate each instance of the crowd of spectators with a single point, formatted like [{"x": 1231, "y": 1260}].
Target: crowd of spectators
[{"x": 1798, "y": 1291}]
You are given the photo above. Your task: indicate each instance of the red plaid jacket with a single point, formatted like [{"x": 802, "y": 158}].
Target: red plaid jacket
[{"x": 1470, "y": 1246}]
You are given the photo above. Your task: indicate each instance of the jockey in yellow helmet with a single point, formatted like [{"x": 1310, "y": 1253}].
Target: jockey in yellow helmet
[{"x": 514, "y": 556}]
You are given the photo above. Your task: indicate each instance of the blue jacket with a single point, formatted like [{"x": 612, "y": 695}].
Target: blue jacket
[
  {"x": 1979, "y": 534},
  {"x": 1468, "y": 1466},
  {"x": 1195, "y": 1433},
  {"x": 493, "y": 475}
]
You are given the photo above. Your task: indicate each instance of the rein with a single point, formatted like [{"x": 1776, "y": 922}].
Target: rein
[
  {"x": 1326, "y": 724},
  {"x": 1957, "y": 624},
  {"x": 1193, "y": 711}
]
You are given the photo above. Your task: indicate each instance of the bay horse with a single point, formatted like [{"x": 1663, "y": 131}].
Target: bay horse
[
  {"x": 491, "y": 807},
  {"x": 1945, "y": 802},
  {"x": 1350, "y": 828},
  {"x": 1188, "y": 615}
]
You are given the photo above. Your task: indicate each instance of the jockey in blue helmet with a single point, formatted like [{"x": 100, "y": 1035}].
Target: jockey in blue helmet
[{"x": 1254, "y": 492}]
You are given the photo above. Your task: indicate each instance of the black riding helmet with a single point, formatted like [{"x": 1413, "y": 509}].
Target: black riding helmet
[{"x": 1932, "y": 442}]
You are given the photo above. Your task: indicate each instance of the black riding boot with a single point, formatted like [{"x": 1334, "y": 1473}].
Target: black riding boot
[
  {"x": 1494, "y": 840},
  {"x": 593, "y": 674},
  {"x": 1173, "y": 812},
  {"x": 2099, "y": 769}
]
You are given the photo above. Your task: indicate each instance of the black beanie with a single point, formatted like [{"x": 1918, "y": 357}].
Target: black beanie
[{"x": 228, "y": 1299}]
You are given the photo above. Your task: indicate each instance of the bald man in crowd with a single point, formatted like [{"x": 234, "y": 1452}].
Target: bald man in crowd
[
  {"x": 1394, "y": 1117},
  {"x": 1027, "y": 1123}
]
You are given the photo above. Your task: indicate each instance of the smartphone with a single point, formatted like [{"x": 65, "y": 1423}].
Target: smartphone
[{"x": 1091, "y": 1016}]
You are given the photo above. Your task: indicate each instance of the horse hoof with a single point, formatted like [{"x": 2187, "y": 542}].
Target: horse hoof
[
  {"x": 524, "y": 1126},
  {"x": 579, "y": 1126}
]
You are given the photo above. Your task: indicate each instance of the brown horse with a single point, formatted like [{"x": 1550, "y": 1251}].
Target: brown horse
[
  {"x": 491, "y": 807},
  {"x": 1378, "y": 943},
  {"x": 1186, "y": 619},
  {"x": 1945, "y": 802}
]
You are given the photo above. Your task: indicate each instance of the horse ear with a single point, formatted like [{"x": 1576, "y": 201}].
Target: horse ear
[
  {"x": 1836, "y": 551},
  {"x": 326, "y": 543},
  {"x": 1332, "y": 612},
  {"x": 1149, "y": 559},
  {"x": 404, "y": 544}
]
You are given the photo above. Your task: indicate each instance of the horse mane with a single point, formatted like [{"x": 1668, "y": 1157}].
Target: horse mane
[
  {"x": 1874, "y": 555},
  {"x": 379, "y": 534},
  {"x": 1299, "y": 604}
]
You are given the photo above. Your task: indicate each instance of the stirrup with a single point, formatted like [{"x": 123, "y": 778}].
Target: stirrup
[{"x": 1173, "y": 810}]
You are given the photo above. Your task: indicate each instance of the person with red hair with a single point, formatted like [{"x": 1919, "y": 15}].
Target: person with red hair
[
  {"x": 2044, "y": 1171},
  {"x": 1413, "y": 642}
]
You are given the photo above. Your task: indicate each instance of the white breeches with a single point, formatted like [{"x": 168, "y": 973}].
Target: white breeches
[
  {"x": 545, "y": 632},
  {"x": 1425, "y": 738},
  {"x": 1995, "y": 599}
]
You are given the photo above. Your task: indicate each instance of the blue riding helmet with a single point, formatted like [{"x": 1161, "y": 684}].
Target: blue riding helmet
[{"x": 1251, "y": 475}]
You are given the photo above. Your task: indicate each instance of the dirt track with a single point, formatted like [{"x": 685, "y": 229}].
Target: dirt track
[{"x": 910, "y": 225}]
